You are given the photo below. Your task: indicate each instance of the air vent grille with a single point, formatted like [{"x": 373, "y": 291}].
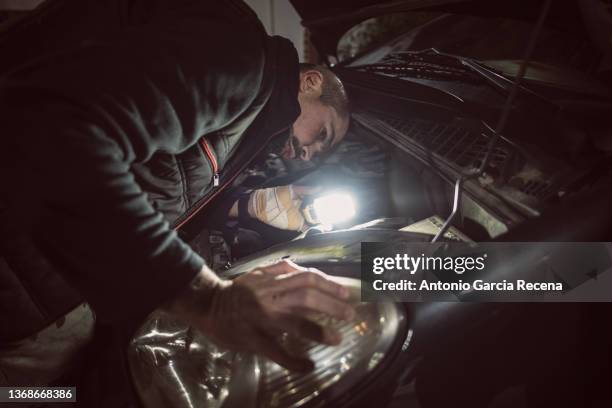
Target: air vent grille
[
  {"x": 459, "y": 146},
  {"x": 466, "y": 149},
  {"x": 536, "y": 188}
]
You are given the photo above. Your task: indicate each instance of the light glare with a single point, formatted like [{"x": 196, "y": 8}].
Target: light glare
[{"x": 334, "y": 208}]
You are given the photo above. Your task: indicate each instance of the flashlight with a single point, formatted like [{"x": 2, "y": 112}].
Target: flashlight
[{"x": 330, "y": 209}]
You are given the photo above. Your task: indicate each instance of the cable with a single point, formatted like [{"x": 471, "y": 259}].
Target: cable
[{"x": 505, "y": 114}]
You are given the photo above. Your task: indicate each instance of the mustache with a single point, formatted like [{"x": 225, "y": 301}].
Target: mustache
[
  {"x": 295, "y": 143},
  {"x": 298, "y": 148}
]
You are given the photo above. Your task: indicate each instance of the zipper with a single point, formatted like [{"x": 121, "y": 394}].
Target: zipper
[
  {"x": 207, "y": 199},
  {"x": 213, "y": 161}
]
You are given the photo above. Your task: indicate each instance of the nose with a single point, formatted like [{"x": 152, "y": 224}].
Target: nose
[
  {"x": 306, "y": 153},
  {"x": 309, "y": 152}
]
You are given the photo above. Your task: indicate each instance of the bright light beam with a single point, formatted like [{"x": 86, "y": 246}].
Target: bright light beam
[{"x": 334, "y": 208}]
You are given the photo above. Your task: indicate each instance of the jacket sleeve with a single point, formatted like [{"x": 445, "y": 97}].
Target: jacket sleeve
[{"x": 79, "y": 120}]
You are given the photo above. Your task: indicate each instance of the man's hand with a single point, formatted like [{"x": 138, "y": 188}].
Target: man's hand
[
  {"x": 251, "y": 312},
  {"x": 279, "y": 207}
]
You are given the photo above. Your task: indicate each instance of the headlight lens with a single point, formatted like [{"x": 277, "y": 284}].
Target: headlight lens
[{"x": 175, "y": 366}]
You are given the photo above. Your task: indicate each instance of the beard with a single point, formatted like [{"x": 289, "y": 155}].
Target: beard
[
  {"x": 277, "y": 144},
  {"x": 286, "y": 147}
]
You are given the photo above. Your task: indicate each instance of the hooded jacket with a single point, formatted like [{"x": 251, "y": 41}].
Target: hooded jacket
[{"x": 109, "y": 145}]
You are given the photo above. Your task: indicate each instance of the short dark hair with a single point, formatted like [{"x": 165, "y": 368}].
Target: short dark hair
[{"x": 332, "y": 91}]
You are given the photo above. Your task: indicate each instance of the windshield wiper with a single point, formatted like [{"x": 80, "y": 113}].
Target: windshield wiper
[{"x": 427, "y": 64}]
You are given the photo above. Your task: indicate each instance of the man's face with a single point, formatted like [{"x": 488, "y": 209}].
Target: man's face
[{"x": 318, "y": 128}]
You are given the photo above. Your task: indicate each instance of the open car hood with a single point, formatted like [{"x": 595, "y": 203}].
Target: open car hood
[{"x": 328, "y": 20}]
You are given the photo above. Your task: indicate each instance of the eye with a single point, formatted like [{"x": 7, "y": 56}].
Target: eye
[{"x": 322, "y": 135}]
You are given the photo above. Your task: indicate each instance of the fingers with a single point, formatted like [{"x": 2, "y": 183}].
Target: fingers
[
  {"x": 303, "y": 328},
  {"x": 282, "y": 267},
  {"x": 309, "y": 289},
  {"x": 300, "y": 328},
  {"x": 313, "y": 300},
  {"x": 269, "y": 347},
  {"x": 313, "y": 279}
]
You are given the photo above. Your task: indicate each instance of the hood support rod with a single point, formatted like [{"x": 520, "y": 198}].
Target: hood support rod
[{"x": 501, "y": 124}]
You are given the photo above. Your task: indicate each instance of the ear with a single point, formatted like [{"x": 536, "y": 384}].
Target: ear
[{"x": 311, "y": 83}]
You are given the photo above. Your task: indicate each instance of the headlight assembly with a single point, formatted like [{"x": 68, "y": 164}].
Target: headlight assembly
[{"x": 175, "y": 366}]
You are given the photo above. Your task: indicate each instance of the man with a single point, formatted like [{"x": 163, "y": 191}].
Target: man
[{"x": 109, "y": 145}]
